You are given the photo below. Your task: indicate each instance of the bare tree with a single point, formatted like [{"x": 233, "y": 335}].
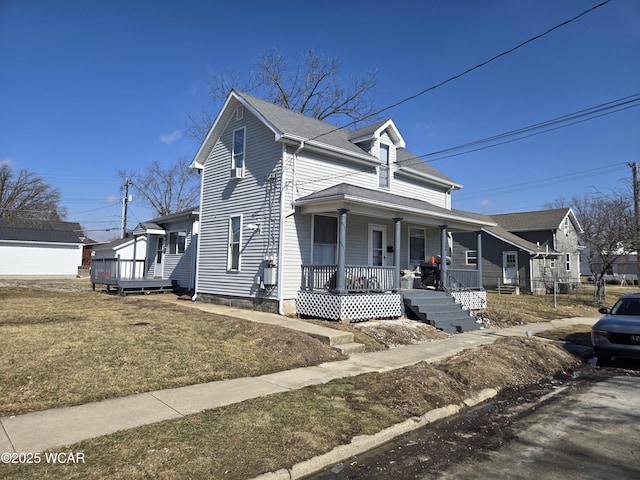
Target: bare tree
[
  {"x": 608, "y": 229},
  {"x": 166, "y": 191},
  {"x": 313, "y": 88},
  {"x": 26, "y": 199}
]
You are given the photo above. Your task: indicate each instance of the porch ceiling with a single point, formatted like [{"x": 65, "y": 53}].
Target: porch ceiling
[{"x": 379, "y": 204}]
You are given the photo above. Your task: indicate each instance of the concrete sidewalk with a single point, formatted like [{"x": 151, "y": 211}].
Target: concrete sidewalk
[{"x": 38, "y": 431}]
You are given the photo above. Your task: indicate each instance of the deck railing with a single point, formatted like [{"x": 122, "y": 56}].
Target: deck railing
[
  {"x": 358, "y": 278},
  {"x": 108, "y": 271}
]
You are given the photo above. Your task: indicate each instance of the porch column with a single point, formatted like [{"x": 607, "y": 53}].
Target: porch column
[
  {"x": 396, "y": 254},
  {"x": 479, "y": 257},
  {"x": 342, "y": 244},
  {"x": 443, "y": 254}
]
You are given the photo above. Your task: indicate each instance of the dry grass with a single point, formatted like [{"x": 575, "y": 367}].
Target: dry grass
[
  {"x": 67, "y": 348},
  {"x": 509, "y": 310},
  {"x": 265, "y": 434}
]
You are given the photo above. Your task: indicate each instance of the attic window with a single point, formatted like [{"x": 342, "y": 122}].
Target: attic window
[
  {"x": 240, "y": 112},
  {"x": 383, "y": 169}
]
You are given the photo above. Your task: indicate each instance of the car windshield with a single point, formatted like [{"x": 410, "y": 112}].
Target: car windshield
[{"x": 626, "y": 306}]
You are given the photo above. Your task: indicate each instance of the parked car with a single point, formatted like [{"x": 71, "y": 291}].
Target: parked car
[{"x": 618, "y": 332}]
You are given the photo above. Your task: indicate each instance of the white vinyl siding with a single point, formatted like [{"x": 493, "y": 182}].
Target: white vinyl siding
[
  {"x": 46, "y": 259},
  {"x": 255, "y": 198}
]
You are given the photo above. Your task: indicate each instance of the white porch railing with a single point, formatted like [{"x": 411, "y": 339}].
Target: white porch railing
[{"x": 358, "y": 278}]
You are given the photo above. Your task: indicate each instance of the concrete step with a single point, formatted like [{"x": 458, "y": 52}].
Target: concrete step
[{"x": 350, "y": 348}]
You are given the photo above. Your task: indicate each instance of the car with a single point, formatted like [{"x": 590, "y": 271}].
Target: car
[{"x": 617, "y": 334}]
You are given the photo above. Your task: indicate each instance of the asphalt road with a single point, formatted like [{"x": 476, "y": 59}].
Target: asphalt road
[{"x": 578, "y": 425}]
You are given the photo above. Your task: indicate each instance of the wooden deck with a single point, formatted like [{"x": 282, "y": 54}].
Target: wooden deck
[{"x": 127, "y": 277}]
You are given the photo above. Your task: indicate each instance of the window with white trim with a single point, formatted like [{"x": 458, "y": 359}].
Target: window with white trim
[
  {"x": 325, "y": 240},
  {"x": 235, "y": 240},
  {"x": 238, "y": 152},
  {"x": 567, "y": 261},
  {"x": 383, "y": 169},
  {"x": 471, "y": 257},
  {"x": 177, "y": 241}
]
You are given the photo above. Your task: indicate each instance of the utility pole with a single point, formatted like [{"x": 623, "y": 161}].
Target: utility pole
[
  {"x": 125, "y": 202},
  {"x": 636, "y": 211}
]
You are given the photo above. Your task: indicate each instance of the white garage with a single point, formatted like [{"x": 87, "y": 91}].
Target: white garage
[{"x": 32, "y": 252}]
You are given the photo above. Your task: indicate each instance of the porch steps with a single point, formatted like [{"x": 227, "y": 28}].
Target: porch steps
[
  {"x": 508, "y": 289},
  {"x": 439, "y": 309}
]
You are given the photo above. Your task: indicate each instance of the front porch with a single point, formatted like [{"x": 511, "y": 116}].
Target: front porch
[{"x": 373, "y": 292}]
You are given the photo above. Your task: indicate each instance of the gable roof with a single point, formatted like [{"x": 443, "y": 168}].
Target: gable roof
[
  {"x": 536, "y": 220},
  {"x": 500, "y": 233},
  {"x": 375, "y": 131},
  {"x": 301, "y": 130}
]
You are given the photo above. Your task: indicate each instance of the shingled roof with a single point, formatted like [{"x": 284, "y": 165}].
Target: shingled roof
[
  {"x": 295, "y": 126},
  {"x": 536, "y": 220},
  {"x": 39, "y": 235}
]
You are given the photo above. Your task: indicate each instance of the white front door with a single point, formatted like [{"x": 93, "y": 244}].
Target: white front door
[
  {"x": 377, "y": 245},
  {"x": 510, "y": 268},
  {"x": 157, "y": 273}
]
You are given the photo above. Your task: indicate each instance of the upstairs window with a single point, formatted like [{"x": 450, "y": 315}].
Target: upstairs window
[
  {"x": 383, "y": 169},
  {"x": 567, "y": 261},
  {"x": 237, "y": 155},
  {"x": 177, "y": 242}
]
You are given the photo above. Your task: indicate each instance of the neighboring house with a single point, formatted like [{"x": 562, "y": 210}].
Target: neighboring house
[
  {"x": 159, "y": 255},
  {"x": 51, "y": 251},
  {"x": 533, "y": 251},
  {"x": 623, "y": 269},
  {"x": 301, "y": 217}
]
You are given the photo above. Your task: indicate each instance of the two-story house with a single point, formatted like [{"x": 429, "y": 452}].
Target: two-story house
[
  {"x": 534, "y": 252},
  {"x": 298, "y": 216}
]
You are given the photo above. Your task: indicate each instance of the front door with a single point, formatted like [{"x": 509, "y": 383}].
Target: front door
[
  {"x": 510, "y": 268},
  {"x": 377, "y": 245},
  {"x": 159, "y": 258}
]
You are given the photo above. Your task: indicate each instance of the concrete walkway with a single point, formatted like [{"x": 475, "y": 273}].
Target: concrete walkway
[{"x": 48, "y": 429}]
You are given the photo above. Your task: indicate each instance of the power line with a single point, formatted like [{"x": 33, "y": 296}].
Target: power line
[
  {"x": 546, "y": 126},
  {"x": 467, "y": 71}
]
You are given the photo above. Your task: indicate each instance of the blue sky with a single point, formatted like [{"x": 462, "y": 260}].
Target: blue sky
[{"x": 88, "y": 88}]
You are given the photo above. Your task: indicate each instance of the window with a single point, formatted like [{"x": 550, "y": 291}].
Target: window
[
  {"x": 567, "y": 261},
  {"x": 417, "y": 246},
  {"x": 471, "y": 257},
  {"x": 566, "y": 226},
  {"x": 177, "y": 241},
  {"x": 237, "y": 157},
  {"x": 383, "y": 169},
  {"x": 240, "y": 112},
  {"x": 325, "y": 240},
  {"x": 235, "y": 238}
]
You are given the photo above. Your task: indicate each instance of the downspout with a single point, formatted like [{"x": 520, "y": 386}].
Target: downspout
[{"x": 200, "y": 213}]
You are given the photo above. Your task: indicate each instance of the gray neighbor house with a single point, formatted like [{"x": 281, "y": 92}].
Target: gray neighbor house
[{"x": 527, "y": 252}]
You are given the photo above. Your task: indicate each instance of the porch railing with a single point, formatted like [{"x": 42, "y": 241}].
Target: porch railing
[
  {"x": 461, "y": 279},
  {"x": 358, "y": 278},
  {"x": 109, "y": 270}
]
